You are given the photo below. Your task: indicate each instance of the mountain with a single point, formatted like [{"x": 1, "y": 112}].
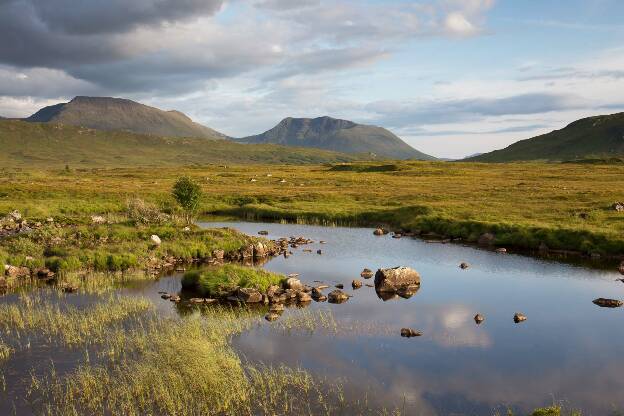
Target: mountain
[
  {"x": 105, "y": 113},
  {"x": 49, "y": 145},
  {"x": 593, "y": 137},
  {"x": 337, "y": 135}
]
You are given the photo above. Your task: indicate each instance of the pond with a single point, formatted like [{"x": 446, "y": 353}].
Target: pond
[{"x": 567, "y": 350}]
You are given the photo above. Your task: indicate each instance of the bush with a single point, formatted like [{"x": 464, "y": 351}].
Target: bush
[
  {"x": 188, "y": 193},
  {"x": 140, "y": 212}
]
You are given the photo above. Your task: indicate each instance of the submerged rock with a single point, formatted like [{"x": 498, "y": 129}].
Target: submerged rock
[
  {"x": 396, "y": 279},
  {"x": 608, "y": 303},
  {"x": 519, "y": 317},
  {"x": 409, "y": 333},
  {"x": 337, "y": 296}
]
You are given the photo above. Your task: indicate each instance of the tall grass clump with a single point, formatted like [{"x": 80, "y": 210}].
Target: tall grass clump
[{"x": 219, "y": 280}]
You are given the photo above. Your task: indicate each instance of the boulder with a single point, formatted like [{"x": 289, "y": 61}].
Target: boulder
[
  {"x": 293, "y": 283},
  {"x": 486, "y": 239},
  {"x": 519, "y": 317},
  {"x": 479, "y": 319},
  {"x": 409, "y": 333},
  {"x": 608, "y": 303},
  {"x": 155, "y": 240},
  {"x": 366, "y": 273},
  {"x": 249, "y": 295},
  {"x": 337, "y": 296},
  {"x": 356, "y": 284},
  {"x": 394, "y": 279}
]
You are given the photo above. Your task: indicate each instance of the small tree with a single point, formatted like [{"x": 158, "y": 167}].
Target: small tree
[{"x": 188, "y": 193}]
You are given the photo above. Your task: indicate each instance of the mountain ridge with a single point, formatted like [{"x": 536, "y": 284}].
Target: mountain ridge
[
  {"x": 111, "y": 114},
  {"x": 337, "y": 135},
  {"x": 590, "y": 137}
]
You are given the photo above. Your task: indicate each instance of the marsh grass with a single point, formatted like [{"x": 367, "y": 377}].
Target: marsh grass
[{"x": 66, "y": 324}]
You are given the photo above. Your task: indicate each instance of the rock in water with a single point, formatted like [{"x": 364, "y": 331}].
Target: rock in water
[
  {"x": 249, "y": 295},
  {"x": 621, "y": 268},
  {"x": 409, "y": 333},
  {"x": 479, "y": 318},
  {"x": 155, "y": 240},
  {"x": 396, "y": 279},
  {"x": 464, "y": 266},
  {"x": 337, "y": 296},
  {"x": 356, "y": 284},
  {"x": 608, "y": 303},
  {"x": 366, "y": 273},
  {"x": 293, "y": 284},
  {"x": 271, "y": 317},
  {"x": 518, "y": 317},
  {"x": 379, "y": 231}
]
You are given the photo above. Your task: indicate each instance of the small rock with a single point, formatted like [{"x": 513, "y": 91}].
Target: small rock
[
  {"x": 218, "y": 254},
  {"x": 356, "y": 284},
  {"x": 263, "y": 232},
  {"x": 98, "y": 219},
  {"x": 196, "y": 300},
  {"x": 501, "y": 250},
  {"x": 479, "y": 318},
  {"x": 69, "y": 288},
  {"x": 337, "y": 296},
  {"x": 339, "y": 286},
  {"x": 618, "y": 206},
  {"x": 319, "y": 252},
  {"x": 464, "y": 266},
  {"x": 303, "y": 297},
  {"x": 409, "y": 333},
  {"x": 397, "y": 235},
  {"x": 379, "y": 231},
  {"x": 186, "y": 229},
  {"x": 249, "y": 295},
  {"x": 175, "y": 298},
  {"x": 621, "y": 268},
  {"x": 322, "y": 242},
  {"x": 518, "y": 317},
  {"x": 49, "y": 220},
  {"x": 271, "y": 317},
  {"x": 608, "y": 303},
  {"x": 155, "y": 240},
  {"x": 366, "y": 273}
]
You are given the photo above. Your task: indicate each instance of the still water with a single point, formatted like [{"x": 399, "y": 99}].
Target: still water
[{"x": 569, "y": 350}]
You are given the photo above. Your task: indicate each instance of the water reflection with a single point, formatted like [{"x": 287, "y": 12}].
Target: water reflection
[{"x": 568, "y": 348}]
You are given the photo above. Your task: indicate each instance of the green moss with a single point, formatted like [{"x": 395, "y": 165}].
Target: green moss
[{"x": 215, "y": 281}]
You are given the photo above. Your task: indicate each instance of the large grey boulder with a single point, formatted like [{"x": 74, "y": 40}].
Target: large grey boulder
[{"x": 396, "y": 279}]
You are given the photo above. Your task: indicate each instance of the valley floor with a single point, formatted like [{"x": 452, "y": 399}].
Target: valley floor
[{"x": 525, "y": 205}]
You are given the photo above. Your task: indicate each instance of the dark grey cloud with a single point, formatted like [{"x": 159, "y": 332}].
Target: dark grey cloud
[
  {"x": 398, "y": 115},
  {"x": 111, "y": 16}
]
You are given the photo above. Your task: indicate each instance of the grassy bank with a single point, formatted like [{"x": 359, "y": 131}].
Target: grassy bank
[{"x": 565, "y": 206}]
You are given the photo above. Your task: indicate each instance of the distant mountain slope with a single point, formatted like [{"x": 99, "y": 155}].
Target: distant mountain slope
[
  {"x": 337, "y": 135},
  {"x": 54, "y": 145},
  {"x": 105, "y": 113},
  {"x": 593, "y": 137}
]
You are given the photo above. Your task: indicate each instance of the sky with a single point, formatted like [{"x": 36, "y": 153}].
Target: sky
[{"x": 450, "y": 77}]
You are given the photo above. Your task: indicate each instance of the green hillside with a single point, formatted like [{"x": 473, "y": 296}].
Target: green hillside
[
  {"x": 106, "y": 113},
  {"x": 589, "y": 138},
  {"x": 338, "y": 135},
  {"x": 27, "y": 144}
]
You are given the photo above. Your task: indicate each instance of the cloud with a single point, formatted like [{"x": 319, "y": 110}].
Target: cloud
[{"x": 402, "y": 114}]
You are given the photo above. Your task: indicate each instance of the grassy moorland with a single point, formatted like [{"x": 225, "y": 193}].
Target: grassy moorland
[{"x": 564, "y": 206}]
